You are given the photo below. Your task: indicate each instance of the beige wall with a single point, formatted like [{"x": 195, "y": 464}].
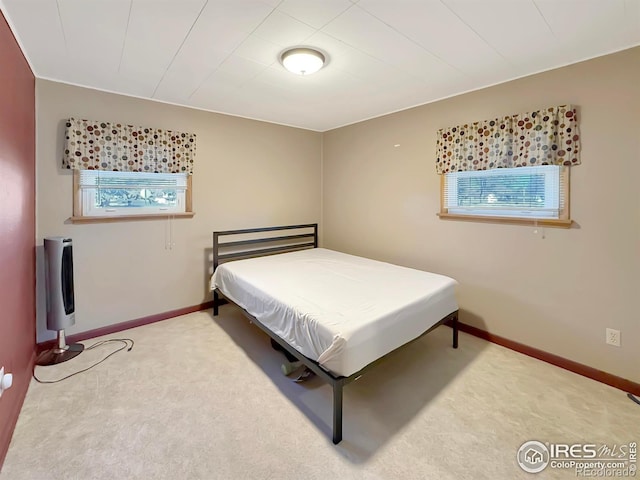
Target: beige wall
[
  {"x": 556, "y": 290},
  {"x": 247, "y": 174}
]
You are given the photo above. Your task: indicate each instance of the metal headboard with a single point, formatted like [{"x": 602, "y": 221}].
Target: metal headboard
[{"x": 292, "y": 243}]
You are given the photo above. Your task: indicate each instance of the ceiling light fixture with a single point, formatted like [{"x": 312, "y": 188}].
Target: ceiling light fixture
[{"x": 302, "y": 60}]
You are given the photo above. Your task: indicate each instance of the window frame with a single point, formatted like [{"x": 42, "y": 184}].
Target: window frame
[
  {"x": 564, "y": 220},
  {"x": 79, "y": 215}
]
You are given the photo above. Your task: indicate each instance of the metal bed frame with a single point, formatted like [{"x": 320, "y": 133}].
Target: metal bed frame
[{"x": 293, "y": 243}]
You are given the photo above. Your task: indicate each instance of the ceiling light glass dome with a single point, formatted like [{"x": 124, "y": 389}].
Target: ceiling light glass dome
[{"x": 303, "y": 60}]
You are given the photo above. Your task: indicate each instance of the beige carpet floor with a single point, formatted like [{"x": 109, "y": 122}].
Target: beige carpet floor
[{"x": 203, "y": 398}]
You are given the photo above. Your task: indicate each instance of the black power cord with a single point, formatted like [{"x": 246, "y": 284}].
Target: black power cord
[
  {"x": 633, "y": 398},
  {"x": 124, "y": 341}
]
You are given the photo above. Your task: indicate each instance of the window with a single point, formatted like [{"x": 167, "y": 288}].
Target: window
[
  {"x": 522, "y": 194},
  {"x": 101, "y": 194},
  {"x": 122, "y": 172}
]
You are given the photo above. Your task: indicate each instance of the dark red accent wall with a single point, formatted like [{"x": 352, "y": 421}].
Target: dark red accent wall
[{"x": 17, "y": 228}]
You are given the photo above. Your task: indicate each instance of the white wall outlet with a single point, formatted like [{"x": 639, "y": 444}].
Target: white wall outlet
[
  {"x": 6, "y": 380},
  {"x": 613, "y": 337}
]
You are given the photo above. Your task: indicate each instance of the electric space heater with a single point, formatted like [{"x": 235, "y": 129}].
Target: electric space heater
[{"x": 58, "y": 264}]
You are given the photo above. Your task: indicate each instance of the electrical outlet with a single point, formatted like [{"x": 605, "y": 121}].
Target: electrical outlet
[
  {"x": 6, "y": 380},
  {"x": 613, "y": 337}
]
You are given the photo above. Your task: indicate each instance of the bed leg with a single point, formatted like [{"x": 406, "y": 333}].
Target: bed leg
[
  {"x": 337, "y": 413},
  {"x": 215, "y": 303},
  {"x": 455, "y": 331}
]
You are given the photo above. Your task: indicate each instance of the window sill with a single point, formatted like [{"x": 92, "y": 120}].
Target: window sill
[
  {"x": 548, "y": 222},
  {"x": 127, "y": 218}
]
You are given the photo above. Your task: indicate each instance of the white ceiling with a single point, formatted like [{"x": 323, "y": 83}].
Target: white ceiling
[{"x": 384, "y": 55}]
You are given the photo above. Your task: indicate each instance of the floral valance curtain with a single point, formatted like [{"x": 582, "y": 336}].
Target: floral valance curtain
[
  {"x": 108, "y": 146},
  {"x": 545, "y": 137}
]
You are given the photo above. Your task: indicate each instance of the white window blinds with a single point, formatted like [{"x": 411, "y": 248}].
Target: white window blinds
[
  {"x": 108, "y": 193},
  {"x": 525, "y": 192},
  {"x": 132, "y": 180}
]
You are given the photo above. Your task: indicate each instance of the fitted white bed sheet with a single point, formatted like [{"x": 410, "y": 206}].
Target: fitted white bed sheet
[{"x": 341, "y": 310}]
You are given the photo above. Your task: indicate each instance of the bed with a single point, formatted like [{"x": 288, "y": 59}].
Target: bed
[{"x": 338, "y": 314}]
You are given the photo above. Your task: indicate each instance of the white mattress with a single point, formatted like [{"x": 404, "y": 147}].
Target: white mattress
[{"x": 341, "y": 310}]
